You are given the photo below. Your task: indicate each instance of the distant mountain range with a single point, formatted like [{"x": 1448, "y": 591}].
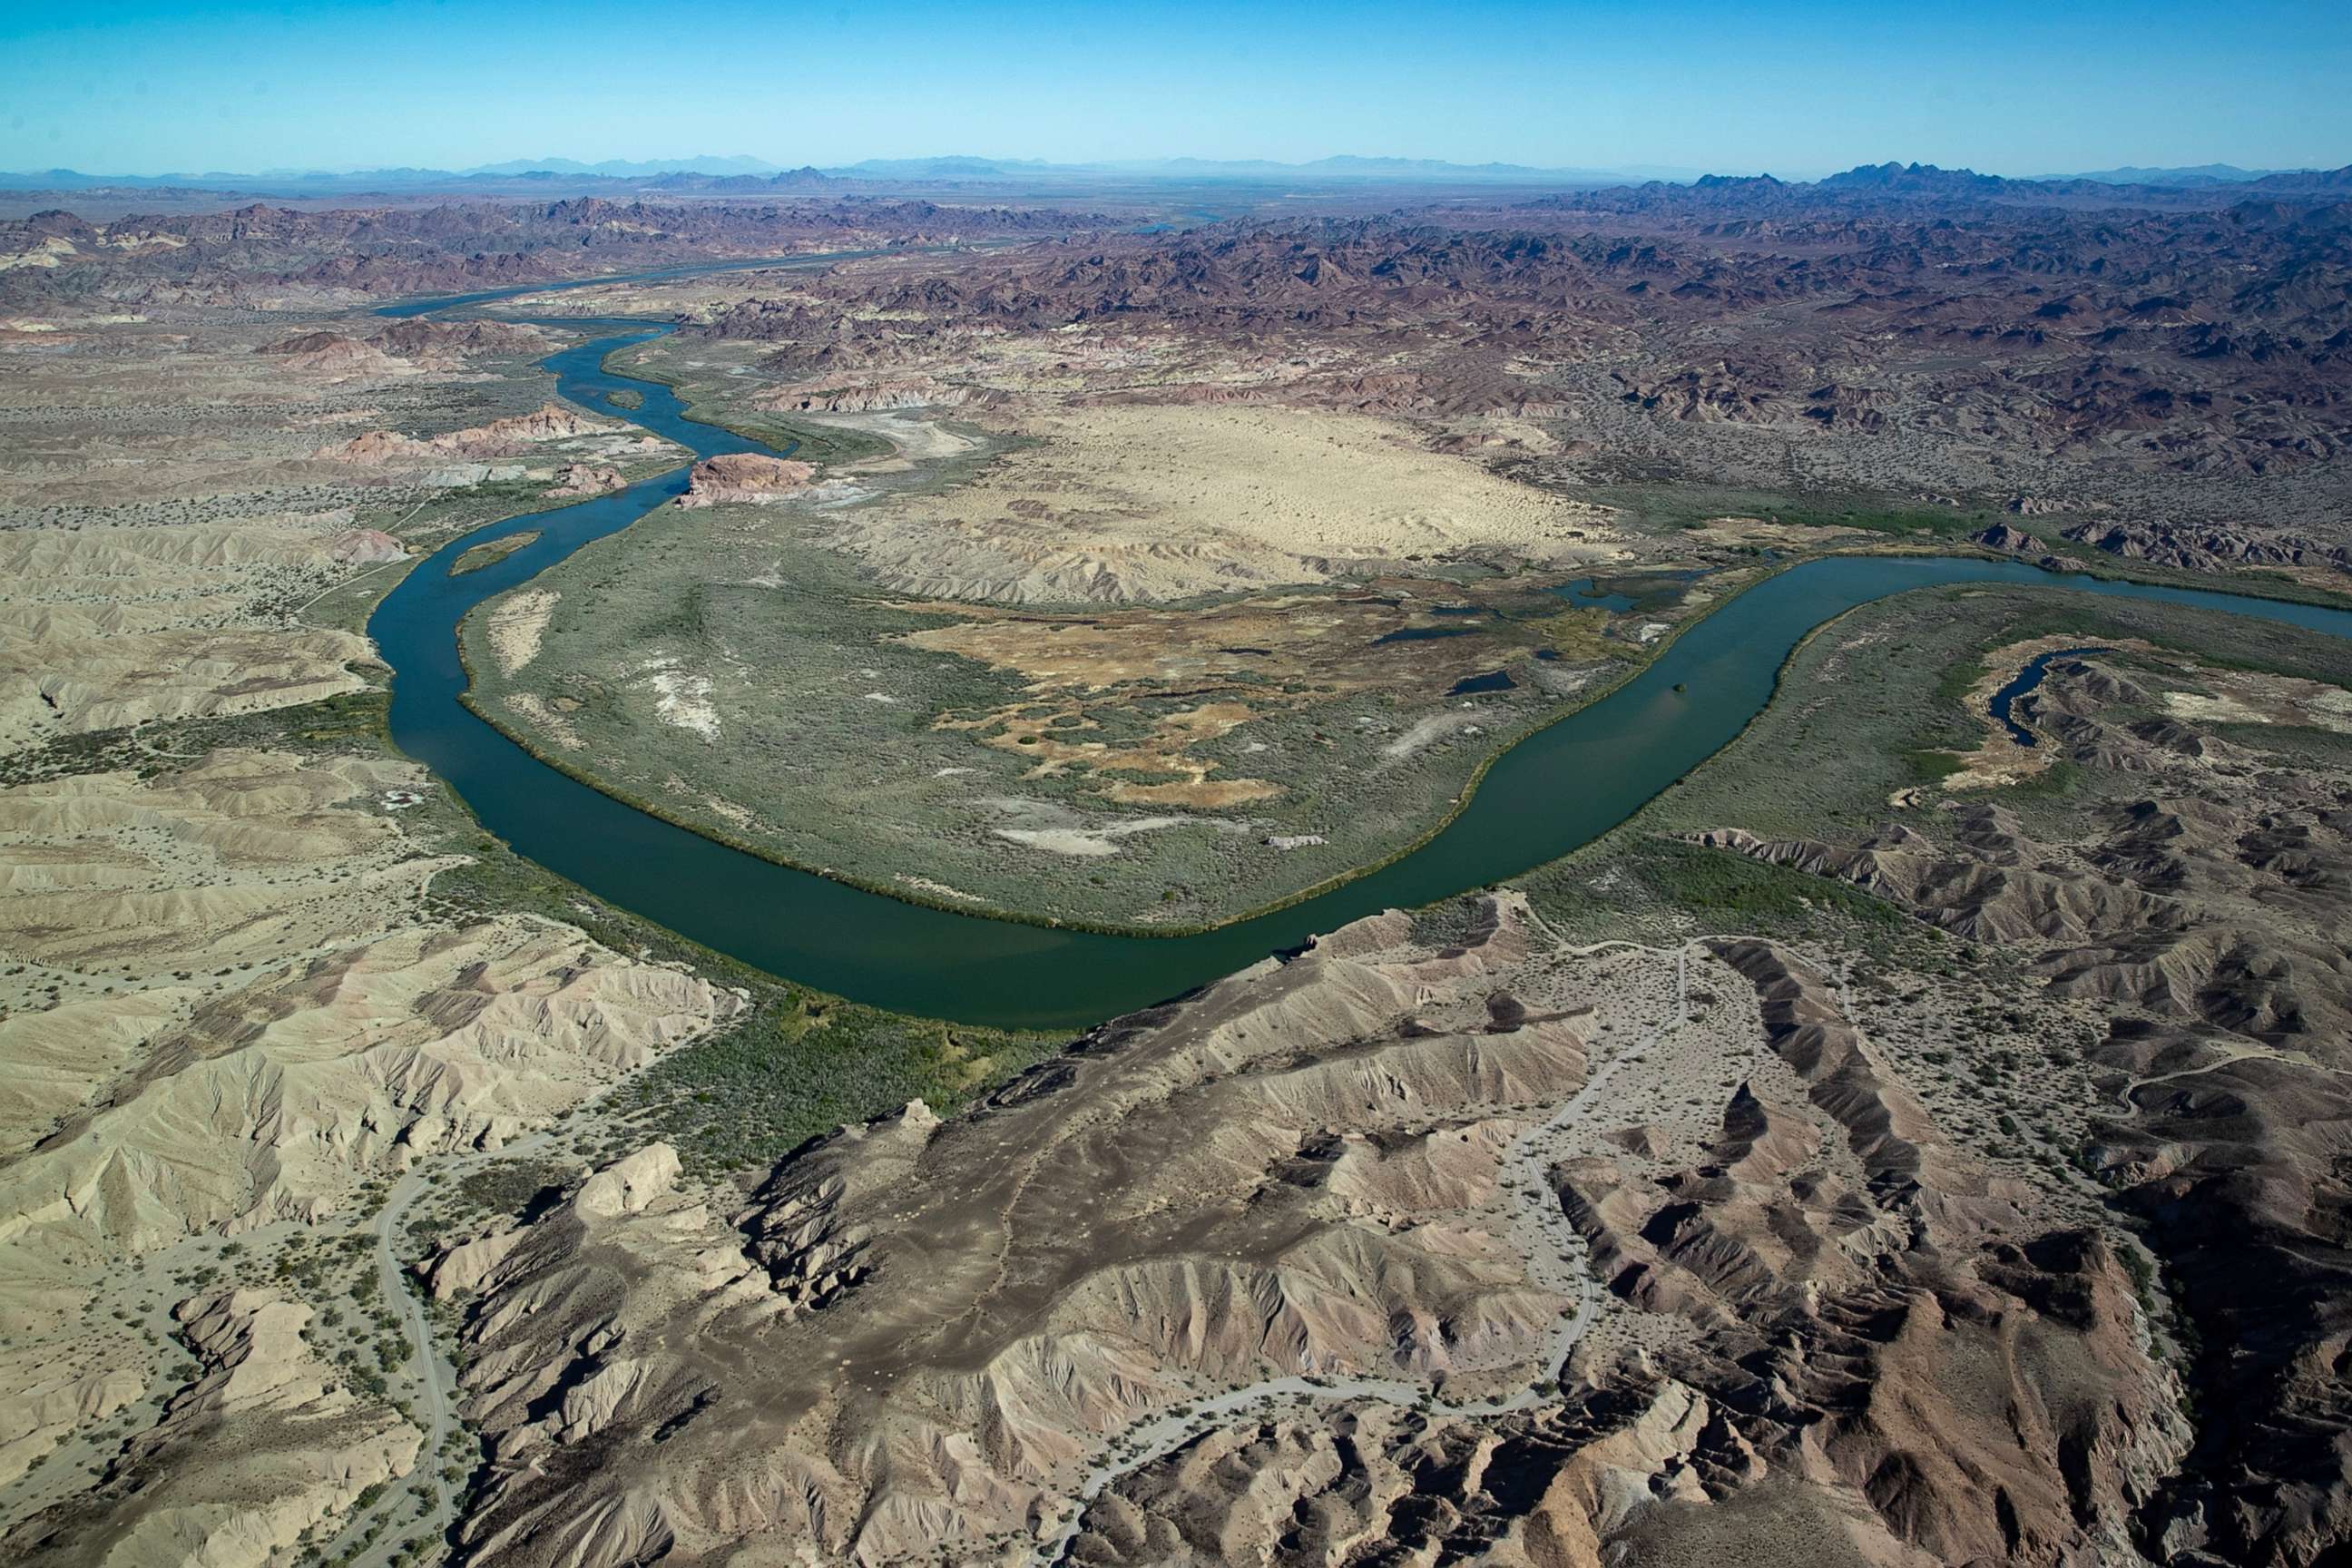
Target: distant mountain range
[
  {"x": 392, "y": 178},
  {"x": 953, "y": 167},
  {"x": 1347, "y": 166},
  {"x": 742, "y": 173},
  {"x": 623, "y": 169},
  {"x": 1342, "y": 167},
  {"x": 1927, "y": 179},
  {"x": 2197, "y": 174}
]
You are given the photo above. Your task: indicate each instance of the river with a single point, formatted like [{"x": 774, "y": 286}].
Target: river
[{"x": 1552, "y": 792}]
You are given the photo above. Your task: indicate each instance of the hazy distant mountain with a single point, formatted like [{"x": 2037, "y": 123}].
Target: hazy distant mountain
[
  {"x": 1927, "y": 180},
  {"x": 745, "y": 174},
  {"x": 1348, "y": 167},
  {"x": 1344, "y": 167},
  {"x": 947, "y": 168},
  {"x": 804, "y": 177},
  {"x": 2197, "y": 174},
  {"x": 73, "y": 180},
  {"x": 624, "y": 169},
  {"x": 2306, "y": 182},
  {"x": 954, "y": 166},
  {"x": 1346, "y": 164},
  {"x": 390, "y": 178}
]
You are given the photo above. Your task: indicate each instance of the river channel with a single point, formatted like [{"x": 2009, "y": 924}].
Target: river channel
[{"x": 1554, "y": 791}]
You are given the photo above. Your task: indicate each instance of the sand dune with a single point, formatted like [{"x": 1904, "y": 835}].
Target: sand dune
[{"x": 1152, "y": 502}]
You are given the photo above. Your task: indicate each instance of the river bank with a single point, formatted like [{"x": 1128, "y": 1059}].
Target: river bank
[{"x": 1552, "y": 791}]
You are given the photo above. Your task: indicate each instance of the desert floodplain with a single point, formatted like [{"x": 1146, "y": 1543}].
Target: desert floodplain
[{"x": 1908, "y": 1137}]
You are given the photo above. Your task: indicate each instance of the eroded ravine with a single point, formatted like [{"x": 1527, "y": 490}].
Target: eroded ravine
[
  {"x": 1548, "y": 794},
  {"x": 1539, "y": 1231}
]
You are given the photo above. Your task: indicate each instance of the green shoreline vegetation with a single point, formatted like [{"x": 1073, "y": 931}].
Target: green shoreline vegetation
[
  {"x": 742, "y": 1095},
  {"x": 797, "y": 1063},
  {"x": 1506, "y": 739},
  {"x": 1894, "y": 710},
  {"x": 1626, "y": 669},
  {"x": 699, "y": 401},
  {"x": 1947, "y": 530},
  {"x": 1905, "y": 532},
  {"x": 490, "y": 552}
]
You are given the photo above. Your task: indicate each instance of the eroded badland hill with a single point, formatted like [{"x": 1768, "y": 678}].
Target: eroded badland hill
[{"x": 1915, "y": 1137}]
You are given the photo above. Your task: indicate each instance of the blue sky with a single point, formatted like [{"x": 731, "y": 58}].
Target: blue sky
[{"x": 1791, "y": 87}]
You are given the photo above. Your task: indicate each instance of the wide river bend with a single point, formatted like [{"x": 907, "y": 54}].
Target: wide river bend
[{"x": 1553, "y": 792}]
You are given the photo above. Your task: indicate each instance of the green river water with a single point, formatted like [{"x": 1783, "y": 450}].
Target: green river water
[{"x": 1553, "y": 792}]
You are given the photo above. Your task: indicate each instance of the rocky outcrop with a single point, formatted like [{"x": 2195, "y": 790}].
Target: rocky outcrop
[
  {"x": 855, "y": 394},
  {"x": 916, "y": 1332},
  {"x": 2205, "y": 918},
  {"x": 264, "y": 1442},
  {"x": 2163, "y": 340},
  {"x": 2207, "y": 549},
  {"x": 746, "y": 479},
  {"x": 1876, "y": 1357},
  {"x": 587, "y": 479},
  {"x": 2002, "y": 537},
  {"x": 365, "y": 547},
  {"x": 276, "y": 1101},
  {"x": 449, "y": 344},
  {"x": 2160, "y": 918},
  {"x": 1884, "y": 1126},
  {"x": 104, "y": 628},
  {"x": 335, "y": 356},
  {"x": 516, "y": 436},
  {"x": 1843, "y": 1433},
  {"x": 470, "y": 243},
  {"x": 405, "y": 347},
  {"x": 356, "y": 1048},
  {"x": 1374, "y": 1479},
  {"x": 1995, "y": 889},
  {"x": 917, "y": 1335}
]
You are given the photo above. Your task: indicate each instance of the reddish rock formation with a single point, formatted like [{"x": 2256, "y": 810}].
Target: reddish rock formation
[{"x": 744, "y": 476}]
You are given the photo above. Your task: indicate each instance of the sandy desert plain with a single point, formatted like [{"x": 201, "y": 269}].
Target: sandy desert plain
[{"x": 1896, "y": 1145}]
